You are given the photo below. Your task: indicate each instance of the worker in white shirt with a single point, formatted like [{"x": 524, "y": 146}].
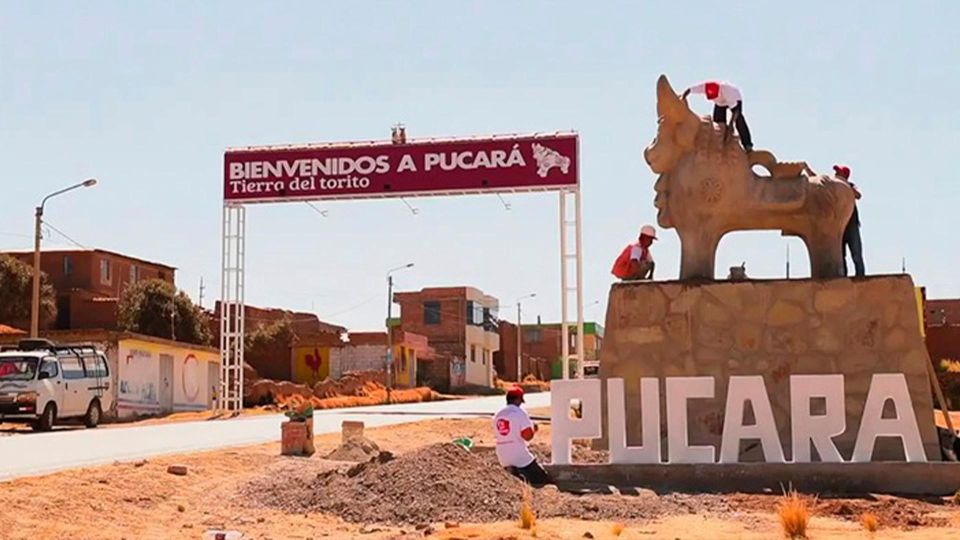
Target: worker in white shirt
[
  {"x": 725, "y": 96},
  {"x": 513, "y": 428}
]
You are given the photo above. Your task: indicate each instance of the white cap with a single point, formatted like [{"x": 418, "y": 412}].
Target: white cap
[{"x": 648, "y": 230}]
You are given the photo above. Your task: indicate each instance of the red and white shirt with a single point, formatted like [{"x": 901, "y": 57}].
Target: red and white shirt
[
  {"x": 512, "y": 450},
  {"x": 640, "y": 253},
  {"x": 721, "y": 93}
]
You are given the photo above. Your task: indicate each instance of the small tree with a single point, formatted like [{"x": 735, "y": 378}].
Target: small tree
[
  {"x": 16, "y": 289},
  {"x": 146, "y": 308}
]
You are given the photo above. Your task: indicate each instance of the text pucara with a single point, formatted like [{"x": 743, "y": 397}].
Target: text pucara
[{"x": 806, "y": 428}]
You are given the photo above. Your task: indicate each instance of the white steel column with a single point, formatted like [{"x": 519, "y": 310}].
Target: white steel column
[
  {"x": 232, "y": 308},
  {"x": 565, "y": 257}
]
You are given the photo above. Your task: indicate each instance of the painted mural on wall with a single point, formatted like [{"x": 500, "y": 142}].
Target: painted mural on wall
[
  {"x": 311, "y": 364},
  {"x": 139, "y": 376},
  {"x": 458, "y": 372}
]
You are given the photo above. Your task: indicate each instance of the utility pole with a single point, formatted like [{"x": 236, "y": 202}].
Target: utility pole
[
  {"x": 519, "y": 334},
  {"x": 201, "y": 292},
  {"x": 389, "y": 356},
  {"x": 35, "y": 296}
]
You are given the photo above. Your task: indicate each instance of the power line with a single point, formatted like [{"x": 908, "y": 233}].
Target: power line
[{"x": 61, "y": 233}]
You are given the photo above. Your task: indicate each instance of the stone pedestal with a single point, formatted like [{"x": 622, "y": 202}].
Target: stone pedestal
[
  {"x": 773, "y": 328},
  {"x": 297, "y": 438}
]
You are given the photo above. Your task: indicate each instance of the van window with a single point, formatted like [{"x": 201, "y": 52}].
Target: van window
[
  {"x": 72, "y": 367},
  {"x": 51, "y": 368},
  {"x": 95, "y": 366}
]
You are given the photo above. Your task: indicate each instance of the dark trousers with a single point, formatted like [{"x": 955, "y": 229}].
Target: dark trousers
[
  {"x": 532, "y": 474},
  {"x": 851, "y": 241},
  {"x": 720, "y": 117}
]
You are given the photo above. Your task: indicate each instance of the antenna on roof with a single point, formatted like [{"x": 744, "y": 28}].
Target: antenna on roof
[
  {"x": 506, "y": 205},
  {"x": 415, "y": 211}
]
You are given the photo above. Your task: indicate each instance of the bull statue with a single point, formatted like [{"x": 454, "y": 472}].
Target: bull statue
[{"x": 707, "y": 187}]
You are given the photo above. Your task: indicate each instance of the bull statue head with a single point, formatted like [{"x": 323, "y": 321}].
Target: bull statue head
[{"x": 676, "y": 132}]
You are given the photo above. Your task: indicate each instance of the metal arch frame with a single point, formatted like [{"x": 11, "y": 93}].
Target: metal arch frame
[{"x": 233, "y": 268}]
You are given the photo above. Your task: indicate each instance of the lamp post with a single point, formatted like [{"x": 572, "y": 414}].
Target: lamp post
[
  {"x": 519, "y": 341},
  {"x": 35, "y": 299},
  {"x": 389, "y": 333}
]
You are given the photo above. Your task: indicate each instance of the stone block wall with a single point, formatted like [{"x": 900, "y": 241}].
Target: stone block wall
[{"x": 774, "y": 328}]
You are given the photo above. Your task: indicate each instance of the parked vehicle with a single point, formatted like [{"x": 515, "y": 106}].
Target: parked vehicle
[{"x": 42, "y": 383}]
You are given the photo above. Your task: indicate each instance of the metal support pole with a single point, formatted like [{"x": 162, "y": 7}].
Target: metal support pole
[
  {"x": 564, "y": 329},
  {"x": 389, "y": 336},
  {"x": 519, "y": 345},
  {"x": 579, "y": 244}
]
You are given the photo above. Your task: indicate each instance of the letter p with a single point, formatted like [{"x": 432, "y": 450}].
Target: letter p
[{"x": 564, "y": 428}]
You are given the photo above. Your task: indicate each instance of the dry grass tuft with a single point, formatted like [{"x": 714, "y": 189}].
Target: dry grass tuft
[
  {"x": 794, "y": 515},
  {"x": 870, "y": 522},
  {"x": 528, "y": 520},
  {"x": 617, "y": 529}
]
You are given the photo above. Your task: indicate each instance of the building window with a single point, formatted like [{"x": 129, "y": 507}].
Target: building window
[
  {"x": 486, "y": 355},
  {"x": 105, "y": 276},
  {"x": 474, "y": 313},
  {"x": 67, "y": 265},
  {"x": 134, "y": 274},
  {"x": 490, "y": 323},
  {"x": 532, "y": 335},
  {"x": 431, "y": 313},
  {"x": 473, "y": 353}
]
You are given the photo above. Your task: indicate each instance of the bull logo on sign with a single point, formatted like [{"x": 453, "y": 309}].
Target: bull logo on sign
[{"x": 547, "y": 158}]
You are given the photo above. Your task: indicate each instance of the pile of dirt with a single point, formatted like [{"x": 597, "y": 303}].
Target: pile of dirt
[
  {"x": 356, "y": 449},
  {"x": 353, "y": 389},
  {"x": 440, "y": 482},
  {"x": 444, "y": 482}
]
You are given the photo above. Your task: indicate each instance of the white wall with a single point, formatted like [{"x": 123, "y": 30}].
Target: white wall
[
  {"x": 138, "y": 373},
  {"x": 356, "y": 358}
]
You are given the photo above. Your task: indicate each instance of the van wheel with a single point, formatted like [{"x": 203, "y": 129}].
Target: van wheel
[
  {"x": 93, "y": 415},
  {"x": 47, "y": 419}
]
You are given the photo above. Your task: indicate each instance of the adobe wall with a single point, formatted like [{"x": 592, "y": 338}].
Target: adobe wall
[{"x": 773, "y": 328}]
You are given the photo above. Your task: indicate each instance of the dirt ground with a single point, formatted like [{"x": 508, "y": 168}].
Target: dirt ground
[{"x": 231, "y": 489}]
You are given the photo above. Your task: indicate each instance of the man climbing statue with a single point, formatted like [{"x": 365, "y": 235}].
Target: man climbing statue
[
  {"x": 635, "y": 261},
  {"x": 851, "y": 235},
  {"x": 513, "y": 427},
  {"x": 725, "y": 96}
]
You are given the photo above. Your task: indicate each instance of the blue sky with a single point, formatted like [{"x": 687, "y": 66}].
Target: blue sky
[{"x": 145, "y": 96}]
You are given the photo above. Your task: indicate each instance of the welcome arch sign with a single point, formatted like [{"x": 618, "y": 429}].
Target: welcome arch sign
[{"x": 539, "y": 162}]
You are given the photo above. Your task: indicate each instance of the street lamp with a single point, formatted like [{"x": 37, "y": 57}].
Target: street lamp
[
  {"x": 389, "y": 334},
  {"x": 35, "y": 300},
  {"x": 519, "y": 342}
]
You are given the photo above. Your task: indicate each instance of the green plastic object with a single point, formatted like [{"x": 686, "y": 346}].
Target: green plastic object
[{"x": 465, "y": 442}]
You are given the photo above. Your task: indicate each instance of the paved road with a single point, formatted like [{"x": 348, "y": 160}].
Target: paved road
[{"x": 34, "y": 454}]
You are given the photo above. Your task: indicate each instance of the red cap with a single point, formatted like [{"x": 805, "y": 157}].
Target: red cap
[
  {"x": 515, "y": 392},
  {"x": 712, "y": 90},
  {"x": 842, "y": 171}
]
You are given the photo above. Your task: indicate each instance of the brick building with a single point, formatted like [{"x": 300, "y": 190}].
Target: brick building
[
  {"x": 273, "y": 360},
  {"x": 542, "y": 342},
  {"x": 89, "y": 283},
  {"x": 942, "y": 327},
  {"x": 460, "y": 325}
]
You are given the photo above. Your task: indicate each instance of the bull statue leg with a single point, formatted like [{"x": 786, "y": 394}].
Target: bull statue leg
[
  {"x": 698, "y": 253},
  {"x": 826, "y": 253}
]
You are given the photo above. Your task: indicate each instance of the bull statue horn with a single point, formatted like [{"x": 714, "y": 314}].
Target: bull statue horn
[{"x": 669, "y": 105}]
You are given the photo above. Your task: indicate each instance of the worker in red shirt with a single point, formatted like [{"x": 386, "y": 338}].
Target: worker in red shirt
[
  {"x": 725, "y": 96},
  {"x": 635, "y": 261}
]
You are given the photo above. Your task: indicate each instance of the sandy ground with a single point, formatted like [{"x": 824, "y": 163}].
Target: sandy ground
[{"x": 141, "y": 500}]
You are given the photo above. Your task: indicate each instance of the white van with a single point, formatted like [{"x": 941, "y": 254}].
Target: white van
[{"x": 41, "y": 383}]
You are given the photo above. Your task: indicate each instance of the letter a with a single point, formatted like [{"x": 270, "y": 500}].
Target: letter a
[
  {"x": 741, "y": 390},
  {"x": 407, "y": 164},
  {"x": 886, "y": 386}
]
